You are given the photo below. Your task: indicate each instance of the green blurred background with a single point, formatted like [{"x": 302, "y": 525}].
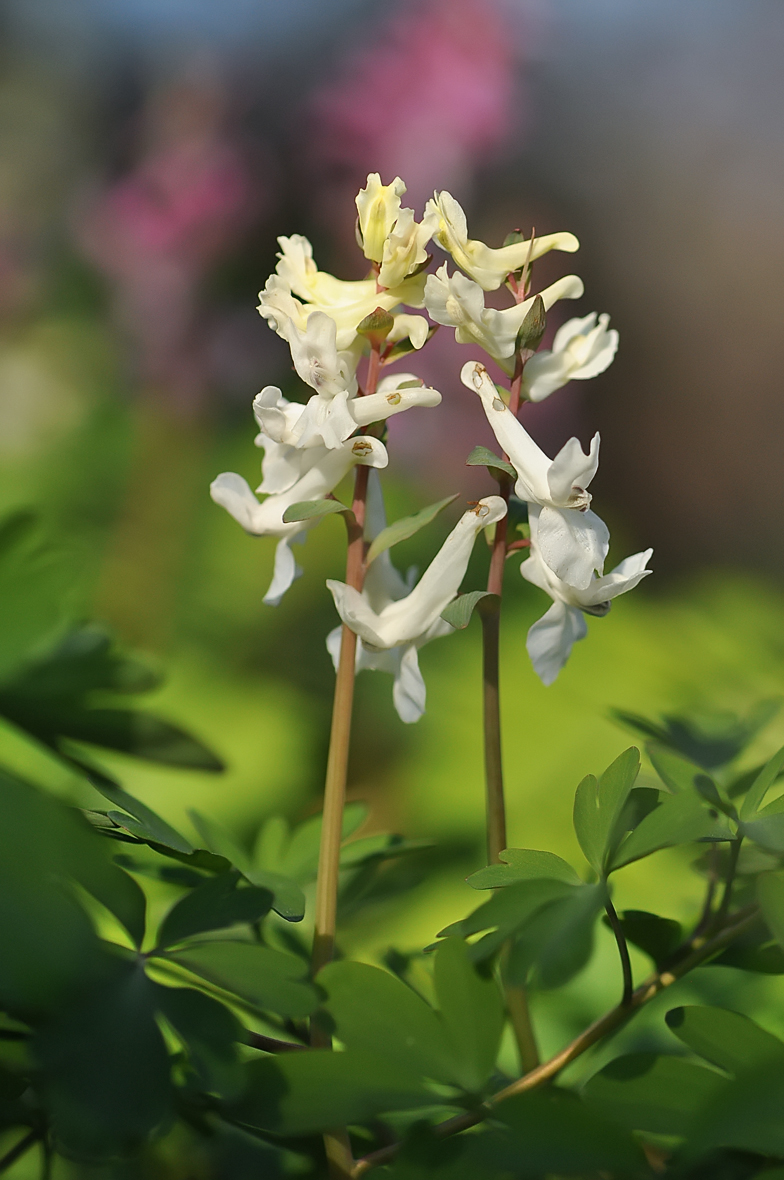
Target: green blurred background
[{"x": 154, "y": 152}]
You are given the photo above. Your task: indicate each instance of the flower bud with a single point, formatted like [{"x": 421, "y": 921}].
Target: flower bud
[{"x": 378, "y": 206}]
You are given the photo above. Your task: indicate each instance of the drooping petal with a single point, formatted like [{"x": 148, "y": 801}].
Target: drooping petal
[
  {"x": 356, "y": 613},
  {"x": 233, "y": 493},
  {"x": 286, "y": 570},
  {"x": 573, "y": 544},
  {"x": 550, "y": 640},
  {"x": 408, "y": 691}
]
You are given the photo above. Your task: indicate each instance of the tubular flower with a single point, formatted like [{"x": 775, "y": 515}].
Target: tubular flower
[
  {"x": 573, "y": 541},
  {"x": 330, "y": 421},
  {"x": 300, "y": 288},
  {"x": 319, "y": 472},
  {"x": 415, "y": 618},
  {"x": 488, "y": 267},
  {"x": 551, "y": 639},
  {"x": 384, "y": 585},
  {"x": 582, "y": 348},
  {"x": 390, "y": 235},
  {"x": 457, "y": 302}
]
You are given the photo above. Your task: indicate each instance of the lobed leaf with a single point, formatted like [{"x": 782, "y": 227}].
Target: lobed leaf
[
  {"x": 458, "y": 613},
  {"x": 598, "y": 806},
  {"x": 523, "y": 864},
  {"x": 308, "y": 509},
  {"x": 406, "y": 527},
  {"x": 265, "y": 978},
  {"x": 214, "y": 905},
  {"x": 727, "y": 1039}
]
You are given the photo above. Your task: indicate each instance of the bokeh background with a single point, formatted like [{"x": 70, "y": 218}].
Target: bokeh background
[{"x": 152, "y": 151}]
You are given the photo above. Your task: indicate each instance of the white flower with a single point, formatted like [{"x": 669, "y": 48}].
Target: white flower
[
  {"x": 378, "y": 208},
  {"x": 572, "y": 539},
  {"x": 487, "y": 266},
  {"x": 550, "y": 640},
  {"x": 330, "y": 421},
  {"x": 582, "y": 348},
  {"x": 320, "y": 471},
  {"x": 390, "y": 235},
  {"x": 383, "y": 585},
  {"x": 393, "y": 621},
  {"x": 457, "y": 302},
  {"x": 347, "y": 303}
]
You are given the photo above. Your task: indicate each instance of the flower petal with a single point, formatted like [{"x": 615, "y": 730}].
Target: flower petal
[{"x": 550, "y": 640}]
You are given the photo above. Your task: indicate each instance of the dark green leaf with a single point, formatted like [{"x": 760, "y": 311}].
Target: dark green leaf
[
  {"x": 307, "y": 509},
  {"x": 210, "y": 1033},
  {"x": 288, "y": 900},
  {"x": 598, "y": 806},
  {"x": 532, "y": 329},
  {"x": 676, "y": 772},
  {"x": 214, "y": 905},
  {"x": 105, "y": 1067},
  {"x": 300, "y": 1093},
  {"x": 121, "y": 895},
  {"x": 770, "y": 895},
  {"x": 552, "y": 1132},
  {"x": 679, "y": 819},
  {"x": 149, "y": 826},
  {"x": 761, "y": 785},
  {"x": 472, "y": 1012},
  {"x": 744, "y": 1114},
  {"x": 48, "y": 943},
  {"x": 658, "y": 937},
  {"x": 483, "y": 457},
  {"x": 505, "y": 912},
  {"x": 264, "y": 978},
  {"x": 646, "y": 1092},
  {"x": 35, "y": 588},
  {"x": 766, "y": 830},
  {"x": 402, "y": 529},
  {"x": 724, "y": 1038},
  {"x": 374, "y": 1011},
  {"x": 131, "y": 732},
  {"x": 458, "y": 613},
  {"x": 218, "y": 840},
  {"x": 741, "y": 784},
  {"x": 84, "y": 662},
  {"x": 523, "y": 864},
  {"x": 709, "y": 739},
  {"x": 557, "y": 941},
  {"x": 754, "y": 950}
]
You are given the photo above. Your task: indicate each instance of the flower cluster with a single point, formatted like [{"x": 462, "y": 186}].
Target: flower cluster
[{"x": 330, "y": 325}]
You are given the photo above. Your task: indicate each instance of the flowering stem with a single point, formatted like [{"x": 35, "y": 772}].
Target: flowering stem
[
  {"x": 516, "y": 999},
  {"x": 336, "y": 1142}
]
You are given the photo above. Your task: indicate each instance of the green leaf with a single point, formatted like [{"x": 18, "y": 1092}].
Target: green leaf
[
  {"x": 217, "y": 839},
  {"x": 648, "y": 1092},
  {"x": 766, "y": 830},
  {"x": 483, "y": 457},
  {"x": 709, "y": 739},
  {"x": 755, "y": 950},
  {"x": 307, "y": 509},
  {"x": 35, "y": 588},
  {"x": 148, "y": 826},
  {"x": 288, "y": 900},
  {"x": 523, "y": 864},
  {"x": 472, "y": 1012},
  {"x": 214, "y": 905},
  {"x": 744, "y": 1114},
  {"x": 264, "y": 978},
  {"x": 506, "y": 912},
  {"x": 383, "y": 846},
  {"x": 761, "y": 785},
  {"x": 374, "y": 1011},
  {"x": 131, "y": 732},
  {"x": 724, "y": 1038},
  {"x": 554, "y": 1133},
  {"x": 742, "y": 782},
  {"x": 532, "y": 329},
  {"x": 402, "y": 529},
  {"x": 458, "y": 613},
  {"x": 770, "y": 895},
  {"x": 49, "y": 946},
  {"x": 105, "y": 1070},
  {"x": 557, "y": 942},
  {"x": 598, "y": 806},
  {"x": 303, "y": 1093},
  {"x": 679, "y": 819},
  {"x": 658, "y": 937},
  {"x": 676, "y": 772},
  {"x": 210, "y": 1033},
  {"x": 296, "y": 856},
  {"x": 116, "y": 890}
]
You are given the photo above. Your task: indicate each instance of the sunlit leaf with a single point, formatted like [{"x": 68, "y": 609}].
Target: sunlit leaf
[{"x": 402, "y": 529}]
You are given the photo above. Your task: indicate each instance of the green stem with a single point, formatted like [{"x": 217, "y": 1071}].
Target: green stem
[
  {"x": 623, "y": 951},
  {"x": 336, "y": 1142},
  {"x": 612, "y": 1020}
]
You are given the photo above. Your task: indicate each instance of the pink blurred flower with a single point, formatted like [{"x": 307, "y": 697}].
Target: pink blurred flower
[{"x": 428, "y": 99}]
